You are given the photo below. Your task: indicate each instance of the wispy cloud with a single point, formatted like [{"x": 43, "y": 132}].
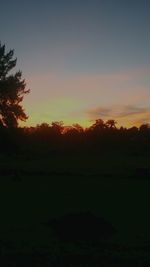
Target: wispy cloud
[
  {"x": 132, "y": 110},
  {"x": 124, "y": 114},
  {"x": 117, "y": 111},
  {"x": 99, "y": 112}
]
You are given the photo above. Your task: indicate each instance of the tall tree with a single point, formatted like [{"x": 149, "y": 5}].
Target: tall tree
[{"x": 12, "y": 90}]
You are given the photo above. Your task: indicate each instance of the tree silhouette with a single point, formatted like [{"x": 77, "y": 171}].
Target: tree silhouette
[
  {"x": 144, "y": 128},
  {"x": 98, "y": 125},
  {"x": 12, "y": 90},
  {"x": 57, "y": 127},
  {"x": 78, "y": 127},
  {"x": 111, "y": 124}
]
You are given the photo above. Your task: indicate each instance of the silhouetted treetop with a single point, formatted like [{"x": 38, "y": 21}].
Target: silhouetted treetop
[
  {"x": 12, "y": 90},
  {"x": 6, "y": 61},
  {"x": 111, "y": 123},
  {"x": 99, "y": 124},
  {"x": 57, "y": 127}
]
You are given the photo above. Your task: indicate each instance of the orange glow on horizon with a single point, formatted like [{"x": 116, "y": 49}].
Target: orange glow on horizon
[
  {"x": 83, "y": 98},
  {"x": 127, "y": 122}
]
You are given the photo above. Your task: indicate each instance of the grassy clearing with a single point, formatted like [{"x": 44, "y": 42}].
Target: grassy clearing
[{"x": 54, "y": 186}]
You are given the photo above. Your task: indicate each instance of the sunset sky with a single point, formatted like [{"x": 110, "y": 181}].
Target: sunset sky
[{"x": 82, "y": 59}]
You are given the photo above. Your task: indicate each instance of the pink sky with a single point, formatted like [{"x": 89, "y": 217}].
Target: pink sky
[{"x": 82, "y": 98}]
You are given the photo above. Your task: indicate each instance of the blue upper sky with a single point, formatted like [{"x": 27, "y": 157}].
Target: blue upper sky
[{"x": 74, "y": 38}]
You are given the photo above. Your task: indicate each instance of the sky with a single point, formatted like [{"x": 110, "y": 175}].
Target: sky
[{"x": 81, "y": 59}]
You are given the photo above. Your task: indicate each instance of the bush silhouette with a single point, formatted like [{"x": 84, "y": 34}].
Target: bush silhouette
[{"x": 84, "y": 227}]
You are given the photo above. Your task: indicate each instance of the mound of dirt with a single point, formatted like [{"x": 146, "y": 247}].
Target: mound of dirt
[{"x": 85, "y": 227}]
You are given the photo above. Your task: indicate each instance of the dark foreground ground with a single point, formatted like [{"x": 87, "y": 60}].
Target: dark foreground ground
[{"x": 40, "y": 192}]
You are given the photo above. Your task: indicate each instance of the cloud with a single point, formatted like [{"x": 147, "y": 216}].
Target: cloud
[
  {"x": 83, "y": 96},
  {"x": 99, "y": 112},
  {"x": 125, "y": 115},
  {"x": 119, "y": 111},
  {"x": 132, "y": 110}
]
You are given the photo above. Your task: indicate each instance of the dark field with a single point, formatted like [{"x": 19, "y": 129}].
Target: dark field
[{"x": 36, "y": 188}]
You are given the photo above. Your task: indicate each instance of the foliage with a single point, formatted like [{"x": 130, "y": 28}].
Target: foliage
[
  {"x": 12, "y": 90},
  {"x": 111, "y": 124}
]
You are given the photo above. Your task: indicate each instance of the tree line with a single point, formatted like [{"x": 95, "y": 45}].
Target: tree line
[{"x": 54, "y": 137}]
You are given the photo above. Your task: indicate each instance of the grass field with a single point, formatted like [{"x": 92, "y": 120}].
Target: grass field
[{"x": 35, "y": 188}]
